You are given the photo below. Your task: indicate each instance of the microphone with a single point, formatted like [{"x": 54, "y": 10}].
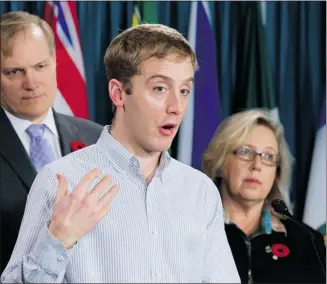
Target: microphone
[{"x": 280, "y": 207}]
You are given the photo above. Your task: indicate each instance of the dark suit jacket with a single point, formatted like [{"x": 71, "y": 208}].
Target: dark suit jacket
[{"x": 17, "y": 172}]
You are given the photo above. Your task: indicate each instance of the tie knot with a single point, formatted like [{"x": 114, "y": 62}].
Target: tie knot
[{"x": 35, "y": 130}]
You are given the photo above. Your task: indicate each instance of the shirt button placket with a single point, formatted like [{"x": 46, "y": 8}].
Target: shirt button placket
[{"x": 153, "y": 233}]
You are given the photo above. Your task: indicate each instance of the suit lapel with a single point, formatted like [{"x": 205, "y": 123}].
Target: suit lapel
[
  {"x": 68, "y": 133},
  {"x": 13, "y": 151}
]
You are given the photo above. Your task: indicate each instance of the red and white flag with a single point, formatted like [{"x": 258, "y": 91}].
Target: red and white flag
[{"x": 71, "y": 97}]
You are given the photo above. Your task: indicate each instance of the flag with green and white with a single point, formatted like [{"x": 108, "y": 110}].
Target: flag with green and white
[
  {"x": 254, "y": 87},
  {"x": 145, "y": 12},
  {"x": 315, "y": 205}
]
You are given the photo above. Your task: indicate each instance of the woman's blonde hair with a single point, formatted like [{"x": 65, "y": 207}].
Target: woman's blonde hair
[{"x": 232, "y": 133}]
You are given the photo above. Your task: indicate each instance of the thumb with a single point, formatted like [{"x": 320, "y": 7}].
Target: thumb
[{"x": 62, "y": 188}]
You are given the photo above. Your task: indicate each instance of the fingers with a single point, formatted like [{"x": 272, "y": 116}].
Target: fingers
[
  {"x": 62, "y": 188},
  {"x": 82, "y": 188},
  {"x": 107, "y": 198},
  {"x": 81, "y": 197},
  {"x": 101, "y": 187},
  {"x": 105, "y": 201}
]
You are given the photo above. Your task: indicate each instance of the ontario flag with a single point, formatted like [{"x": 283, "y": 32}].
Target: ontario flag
[{"x": 71, "y": 97}]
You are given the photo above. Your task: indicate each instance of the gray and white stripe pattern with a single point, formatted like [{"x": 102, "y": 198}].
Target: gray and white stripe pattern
[{"x": 171, "y": 230}]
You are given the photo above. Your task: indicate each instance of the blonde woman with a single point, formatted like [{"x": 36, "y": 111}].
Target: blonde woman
[{"x": 249, "y": 161}]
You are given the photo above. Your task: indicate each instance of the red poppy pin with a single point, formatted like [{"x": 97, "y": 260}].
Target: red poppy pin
[
  {"x": 280, "y": 250},
  {"x": 77, "y": 145}
]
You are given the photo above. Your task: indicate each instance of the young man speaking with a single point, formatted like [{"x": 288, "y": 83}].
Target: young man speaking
[{"x": 161, "y": 221}]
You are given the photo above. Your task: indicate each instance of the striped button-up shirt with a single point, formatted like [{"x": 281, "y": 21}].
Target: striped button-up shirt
[{"x": 170, "y": 230}]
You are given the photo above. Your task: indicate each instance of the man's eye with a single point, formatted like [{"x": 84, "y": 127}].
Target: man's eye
[
  {"x": 13, "y": 72},
  {"x": 185, "y": 92},
  {"x": 40, "y": 66},
  {"x": 160, "y": 89}
]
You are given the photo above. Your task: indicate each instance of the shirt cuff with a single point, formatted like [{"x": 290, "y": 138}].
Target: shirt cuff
[{"x": 50, "y": 253}]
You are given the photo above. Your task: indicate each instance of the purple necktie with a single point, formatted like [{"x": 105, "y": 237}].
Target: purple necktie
[{"x": 40, "y": 150}]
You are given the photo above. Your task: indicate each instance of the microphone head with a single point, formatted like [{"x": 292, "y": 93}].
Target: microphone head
[{"x": 280, "y": 207}]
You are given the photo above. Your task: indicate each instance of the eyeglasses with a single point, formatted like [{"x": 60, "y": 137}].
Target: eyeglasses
[{"x": 248, "y": 154}]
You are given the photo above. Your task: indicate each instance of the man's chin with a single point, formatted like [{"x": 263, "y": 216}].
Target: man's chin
[
  {"x": 166, "y": 147},
  {"x": 161, "y": 148}
]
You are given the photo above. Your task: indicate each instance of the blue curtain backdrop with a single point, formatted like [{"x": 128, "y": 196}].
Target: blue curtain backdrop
[{"x": 296, "y": 36}]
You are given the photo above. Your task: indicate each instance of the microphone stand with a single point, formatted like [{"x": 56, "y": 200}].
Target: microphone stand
[
  {"x": 280, "y": 207},
  {"x": 312, "y": 238}
]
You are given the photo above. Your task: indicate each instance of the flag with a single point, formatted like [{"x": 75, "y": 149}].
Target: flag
[
  {"x": 150, "y": 12},
  {"x": 255, "y": 88},
  {"x": 145, "y": 12},
  {"x": 71, "y": 97},
  {"x": 203, "y": 113},
  {"x": 136, "y": 18},
  {"x": 315, "y": 204}
]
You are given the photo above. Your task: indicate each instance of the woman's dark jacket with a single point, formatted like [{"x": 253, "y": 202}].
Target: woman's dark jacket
[{"x": 282, "y": 256}]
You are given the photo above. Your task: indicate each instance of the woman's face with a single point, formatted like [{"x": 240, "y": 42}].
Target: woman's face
[{"x": 249, "y": 177}]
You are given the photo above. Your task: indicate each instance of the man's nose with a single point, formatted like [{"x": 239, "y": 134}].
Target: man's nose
[
  {"x": 30, "y": 82},
  {"x": 175, "y": 104}
]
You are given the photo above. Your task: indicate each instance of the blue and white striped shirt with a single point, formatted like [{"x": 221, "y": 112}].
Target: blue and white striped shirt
[{"x": 171, "y": 230}]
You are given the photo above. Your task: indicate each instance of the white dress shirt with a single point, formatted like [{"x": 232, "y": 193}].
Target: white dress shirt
[
  {"x": 170, "y": 230},
  {"x": 50, "y": 133}
]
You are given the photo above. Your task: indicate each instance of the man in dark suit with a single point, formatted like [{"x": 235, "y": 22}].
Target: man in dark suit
[{"x": 32, "y": 133}]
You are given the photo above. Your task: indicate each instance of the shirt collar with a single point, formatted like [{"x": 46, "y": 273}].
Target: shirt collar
[
  {"x": 50, "y": 123},
  {"x": 268, "y": 222},
  {"x": 20, "y": 125},
  {"x": 122, "y": 159}
]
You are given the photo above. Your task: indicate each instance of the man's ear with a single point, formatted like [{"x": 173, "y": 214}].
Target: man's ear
[{"x": 116, "y": 93}]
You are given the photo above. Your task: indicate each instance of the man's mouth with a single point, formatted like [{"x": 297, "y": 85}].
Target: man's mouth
[
  {"x": 31, "y": 97},
  {"x": 169, "y": 126},
  {"x": 168, "y": 129}
]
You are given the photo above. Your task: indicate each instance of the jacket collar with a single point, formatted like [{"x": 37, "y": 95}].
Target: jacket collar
[{"x": 268, "y": 222}]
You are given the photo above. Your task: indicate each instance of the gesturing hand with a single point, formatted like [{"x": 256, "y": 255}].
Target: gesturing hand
[{"x": 76, "y": 214}]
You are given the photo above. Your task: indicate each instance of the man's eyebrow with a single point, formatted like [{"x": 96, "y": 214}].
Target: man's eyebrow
[
  {"x": 42, "y": 61},
  {"x": 159, "y": 76},
  {"x": 10, "y": 68},
  {"x": 164, "y": 77},
  {"x": 191, "y": 79},
  {"x": 14, "y": 66}
]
